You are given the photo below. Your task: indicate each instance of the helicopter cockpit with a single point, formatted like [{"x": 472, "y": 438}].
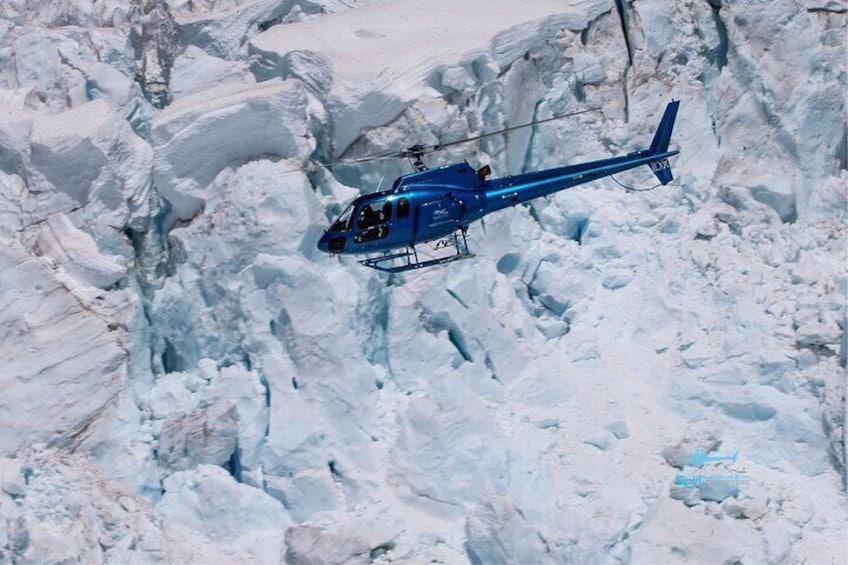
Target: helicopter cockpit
[
  {"x": 369, "y": 217},
  {"x": 363, "y": 213}
]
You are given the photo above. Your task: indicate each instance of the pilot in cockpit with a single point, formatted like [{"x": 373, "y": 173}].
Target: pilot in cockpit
[{"x": 367, "y": 217}]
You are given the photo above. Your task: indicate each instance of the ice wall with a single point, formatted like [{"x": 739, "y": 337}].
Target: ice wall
[{"x": 187, "y": 379}]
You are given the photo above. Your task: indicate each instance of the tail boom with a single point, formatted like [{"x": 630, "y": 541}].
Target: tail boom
[{"x": 509, "y": 191}]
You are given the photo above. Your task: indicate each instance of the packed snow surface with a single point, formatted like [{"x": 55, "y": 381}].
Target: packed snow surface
[{"x": 187, "y": 379}]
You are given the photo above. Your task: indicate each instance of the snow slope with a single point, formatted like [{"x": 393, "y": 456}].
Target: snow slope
[{"x": 187, "y": 379}]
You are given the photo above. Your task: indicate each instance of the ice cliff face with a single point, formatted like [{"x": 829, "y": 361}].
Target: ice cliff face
[{"x": 187, "y": 379}]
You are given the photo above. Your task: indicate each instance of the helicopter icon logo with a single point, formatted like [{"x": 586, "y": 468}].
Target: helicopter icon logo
[{"x": 440, "y": 213}]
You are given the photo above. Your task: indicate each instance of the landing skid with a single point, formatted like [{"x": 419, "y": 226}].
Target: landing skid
[{"x": 409, "y": 260}]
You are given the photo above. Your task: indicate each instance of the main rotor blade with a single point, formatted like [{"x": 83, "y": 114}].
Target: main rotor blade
[
  {"x": 425, "y": 149},
  {"x": 513, "y": 128},
  {"x": 402, "y": 154},
  {"x": 366, "y": 158}
]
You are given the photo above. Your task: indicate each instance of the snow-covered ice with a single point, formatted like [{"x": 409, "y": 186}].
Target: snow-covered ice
[{"x": 186, "y": 378}]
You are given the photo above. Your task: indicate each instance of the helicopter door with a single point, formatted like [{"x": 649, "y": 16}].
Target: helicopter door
[
  {"x": 437, "y": 218},
  {"x": 373, "y": 221}
]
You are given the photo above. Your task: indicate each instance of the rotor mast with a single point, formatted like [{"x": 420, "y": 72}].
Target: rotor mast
[{"x": 416, "y": 156}]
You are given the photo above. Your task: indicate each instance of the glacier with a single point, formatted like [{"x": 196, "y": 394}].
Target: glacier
[{"x": 187, "y": 379}]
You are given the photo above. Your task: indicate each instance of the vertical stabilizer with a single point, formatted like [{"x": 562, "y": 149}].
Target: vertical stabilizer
[
  {"x": 663, "y": 134},
  {"x": 661, "y": 167}
]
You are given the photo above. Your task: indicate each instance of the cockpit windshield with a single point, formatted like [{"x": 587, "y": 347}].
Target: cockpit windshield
[{"x": 345, "y": 221}]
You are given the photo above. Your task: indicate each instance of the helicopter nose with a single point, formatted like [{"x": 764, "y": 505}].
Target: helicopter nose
[
  {"x": 332, "y": 243},
  {"x": 323, "y": 242}
]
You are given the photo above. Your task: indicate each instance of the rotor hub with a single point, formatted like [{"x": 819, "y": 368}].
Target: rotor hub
[{"x": 415, "y": 154}]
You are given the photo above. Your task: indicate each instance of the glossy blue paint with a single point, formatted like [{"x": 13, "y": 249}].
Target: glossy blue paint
[{"x": 434, "y": 204}]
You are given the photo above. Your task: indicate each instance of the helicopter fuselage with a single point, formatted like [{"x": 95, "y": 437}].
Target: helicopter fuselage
[{"x": 434, "y": 204}]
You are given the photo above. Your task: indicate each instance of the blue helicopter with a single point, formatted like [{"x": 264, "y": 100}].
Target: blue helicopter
[{"x": 440, "y": 204}]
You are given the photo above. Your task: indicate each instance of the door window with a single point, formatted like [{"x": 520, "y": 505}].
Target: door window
[{"x": 403, "y": 208}]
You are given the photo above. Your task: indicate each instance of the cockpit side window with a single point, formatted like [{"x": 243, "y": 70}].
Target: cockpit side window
[
  {"x": 373, "y": 213},
  {"x": 367, "y": 217}
]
